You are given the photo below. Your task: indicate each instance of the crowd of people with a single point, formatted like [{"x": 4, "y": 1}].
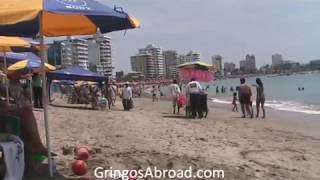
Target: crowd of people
[{"x": 196, "y": 106}]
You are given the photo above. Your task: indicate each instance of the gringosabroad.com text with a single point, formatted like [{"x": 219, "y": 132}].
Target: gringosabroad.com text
[{"x": 155, "y": 173}]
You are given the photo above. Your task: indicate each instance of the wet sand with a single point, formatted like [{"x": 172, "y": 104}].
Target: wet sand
[{"x": 283, "y": 146}]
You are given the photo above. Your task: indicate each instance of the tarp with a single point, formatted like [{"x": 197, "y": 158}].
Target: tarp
[
  {"x": 200, "y": 75},
  {"x": 76, "y": 73}
]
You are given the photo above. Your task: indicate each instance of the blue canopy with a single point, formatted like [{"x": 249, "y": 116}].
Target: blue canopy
[
  {"x": 12, "y": 57},
  {"x": 76, "y": 73}
]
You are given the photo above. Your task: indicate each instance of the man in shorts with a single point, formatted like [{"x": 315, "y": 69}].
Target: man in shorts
[{"x": 245, "y": 98}]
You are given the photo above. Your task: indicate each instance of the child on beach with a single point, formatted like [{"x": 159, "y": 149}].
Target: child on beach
[
  {"x": 154, "y": 92},
  {"x": 234, "y": 102}
]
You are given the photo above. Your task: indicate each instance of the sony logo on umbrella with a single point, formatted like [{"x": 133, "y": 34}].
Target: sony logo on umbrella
[{"x": 75, "y": 4}]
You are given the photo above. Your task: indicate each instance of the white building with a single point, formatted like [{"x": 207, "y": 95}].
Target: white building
[
  {"x": 74, "y": 52},
  {"x": 217, "y": 62},
  {"x": 277, "y": 59},
  {"x": 157, "y": 63},
  {"x": 143, "y": 63},
  {"x": 171, "y": 62},
  {"x": 229, "y": 67},
  {"x": 249, "y": 64},
  {"x": 182, "y": 59},
  {"x": 192, "y": 56}
]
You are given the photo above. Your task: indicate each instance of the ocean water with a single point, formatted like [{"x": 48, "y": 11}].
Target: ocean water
[{"x": 281, "y": 92}]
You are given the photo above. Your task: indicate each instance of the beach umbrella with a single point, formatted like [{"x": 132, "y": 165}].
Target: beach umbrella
[
  {"x": 29, "y": 66},
  {"x": 6, "y": 43},
  {"x": 59, "y": 18}
]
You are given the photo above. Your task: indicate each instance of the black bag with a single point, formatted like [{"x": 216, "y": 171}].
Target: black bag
[{"x": 131, "y": 105}]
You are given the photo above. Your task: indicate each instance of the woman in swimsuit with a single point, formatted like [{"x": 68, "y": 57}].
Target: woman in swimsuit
[{"x": 260, "y": 98}]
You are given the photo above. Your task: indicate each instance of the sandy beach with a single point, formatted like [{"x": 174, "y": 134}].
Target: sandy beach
[{"x": 283, "y": 146}]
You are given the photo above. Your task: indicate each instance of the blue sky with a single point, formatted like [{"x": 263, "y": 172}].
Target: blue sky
[{"x": 231, "y": 28}]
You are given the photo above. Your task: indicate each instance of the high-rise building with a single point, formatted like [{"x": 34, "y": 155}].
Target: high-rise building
[
  {"x": 171, "y": 61},
  {"x": 92, "y": 53},
  {"x": 143, "y": 63},
  {"x": 229, "y": 67},
  {"x": 217, "y": 62},
  {"x": 69, "y": 52},
  {"x": 182, "y": 59},
  {"x": 192, "y": 56},
  {"x": 249, "y": 64},
  {"x": 79, "y": 51},
  {"x": 277, "y": 59},
  {"x": 54, "y": 54},
  {"x": 156, "y": 65},
  {"x": 104, "y": 55}
]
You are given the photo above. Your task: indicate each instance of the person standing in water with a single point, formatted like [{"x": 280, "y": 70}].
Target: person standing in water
[{"x": 260, "y": 98}]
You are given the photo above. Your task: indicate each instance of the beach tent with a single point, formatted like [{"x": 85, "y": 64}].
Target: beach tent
[
  {"x": 76, "y": 73},
  {"x": 52, "y": 18},
  {"x": 196, "y": 65},
  {"x": 201, "y": 71}
]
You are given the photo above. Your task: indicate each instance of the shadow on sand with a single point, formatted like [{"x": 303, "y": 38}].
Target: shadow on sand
[
  {"x": 72, "y": 107},
  {"x": 175, "y": 116}
]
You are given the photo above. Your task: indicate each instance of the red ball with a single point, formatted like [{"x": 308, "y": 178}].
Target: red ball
[
  {"x": 79, "y": 167},
  {"x": 83, "y": 153}
]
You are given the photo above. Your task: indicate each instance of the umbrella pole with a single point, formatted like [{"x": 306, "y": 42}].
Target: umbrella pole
[
  {"x": 44, "y": 96},
  {"x": 6, "y": 73},
  {"x": 31, "y": 91}
]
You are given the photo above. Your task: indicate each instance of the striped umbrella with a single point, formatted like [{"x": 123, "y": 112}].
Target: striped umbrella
[
  {"x": 29, "y": 66},
  {"x": 61, "y": 18}
]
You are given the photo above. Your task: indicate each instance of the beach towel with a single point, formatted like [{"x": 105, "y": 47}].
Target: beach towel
[{"x": 13, "y": 152}]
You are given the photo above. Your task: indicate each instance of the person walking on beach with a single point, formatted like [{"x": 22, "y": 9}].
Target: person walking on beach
[
  {"x": 127, "y": 97},
  {"x": 114, "y": 93},
  {"x": 260, "y": 99},
  {"x": 154, "y": 92},
  {"x": 193, "y": 91},
  {"x": 245, "y": 98},
  {"x": 175, "y": 91},
  {"x": 109, "y": 95},
  {"x": 234, "y": 102}
]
